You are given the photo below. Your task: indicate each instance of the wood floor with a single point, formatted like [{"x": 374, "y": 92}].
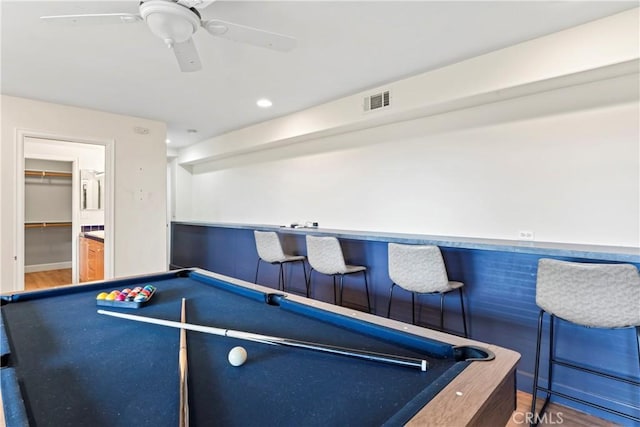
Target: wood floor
[
  {"x": 556, "y": 414},
  {"x": 47, "y": 279}
]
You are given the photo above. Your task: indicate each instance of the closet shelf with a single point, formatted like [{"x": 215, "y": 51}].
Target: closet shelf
[
  {"x": 46, "y": 224},
  {"x": 47, "y": 174}
]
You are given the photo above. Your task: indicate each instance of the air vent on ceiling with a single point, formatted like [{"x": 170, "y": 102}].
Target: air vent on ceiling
[{"x": 377, "y": 101}]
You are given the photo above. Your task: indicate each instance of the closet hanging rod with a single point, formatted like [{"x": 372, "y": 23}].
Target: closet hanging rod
[
  {"x": 46, "y": 224},
  {"x": 45, "y": 174}
]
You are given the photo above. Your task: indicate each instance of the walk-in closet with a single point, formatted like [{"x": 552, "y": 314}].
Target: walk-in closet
[{"x": 48, "y": 222}]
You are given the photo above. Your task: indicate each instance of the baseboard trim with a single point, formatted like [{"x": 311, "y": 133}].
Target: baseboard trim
[{"x": 46, "y": 267}]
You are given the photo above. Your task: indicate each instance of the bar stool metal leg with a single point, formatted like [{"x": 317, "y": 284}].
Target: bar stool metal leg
[
  {"x": 552, "y": 358},
  {"x": 536, "y": 370},
  {"x": 393, "y": 285},
  {"x": 257, "y": 268},
  {"x": 638, "y": 341},
  {"x": 304, "y": 271},
  {"x": 281, "y": 276},
  {"x": 413, "y": 308},
  {"x": 550, "y": 361},
  {"x": 366, "y": 287},
  {"x": 464, "y": 316},
  {"x": 309, "y": 283},
  {"x": 442, "y": 311}
]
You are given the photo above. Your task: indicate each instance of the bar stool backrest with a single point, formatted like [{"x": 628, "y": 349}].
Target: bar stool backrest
[
  {"x": 418, "y": 268},
  {"x": 325, "y": 255},
  {"x": 596, "y": 295},
  {"x": 268, "y": 246}
]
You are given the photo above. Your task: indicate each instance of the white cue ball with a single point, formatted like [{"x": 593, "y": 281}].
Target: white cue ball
[{"x": 237, "y": 356}]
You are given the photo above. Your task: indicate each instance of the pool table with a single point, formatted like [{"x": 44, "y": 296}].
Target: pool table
[{"x": 65, "y": 364}]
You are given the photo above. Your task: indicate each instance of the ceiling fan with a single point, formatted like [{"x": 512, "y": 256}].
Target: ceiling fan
[{"x": 175, "y": 21}]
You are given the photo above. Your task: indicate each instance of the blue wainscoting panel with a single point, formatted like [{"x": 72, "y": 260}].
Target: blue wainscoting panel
[{"x": 499, "y": 297}]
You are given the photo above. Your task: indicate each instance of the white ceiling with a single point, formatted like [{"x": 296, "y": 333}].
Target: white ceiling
[{"x": 343, "y": 48}]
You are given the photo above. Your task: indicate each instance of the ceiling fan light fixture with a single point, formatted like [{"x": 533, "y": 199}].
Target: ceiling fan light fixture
[{"x": 169, "y": 21}]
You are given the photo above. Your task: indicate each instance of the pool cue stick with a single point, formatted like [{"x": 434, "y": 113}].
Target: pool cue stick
[
  {"x": 266, "y": 339},
  {"x": 184, "y": 391}
]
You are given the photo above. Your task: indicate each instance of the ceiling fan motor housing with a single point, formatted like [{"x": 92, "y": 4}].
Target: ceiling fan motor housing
[{"x": 170, "y": 21}]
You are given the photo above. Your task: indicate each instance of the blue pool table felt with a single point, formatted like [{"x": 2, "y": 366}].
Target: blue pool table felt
[{"x": 76, "y": 367}]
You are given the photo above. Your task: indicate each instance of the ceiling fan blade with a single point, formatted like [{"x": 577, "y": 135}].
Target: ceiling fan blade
[
  {"x": 93, "y": 19},
  {"x": 187, "y": 56},
  {"x": 250, "y": 35}
]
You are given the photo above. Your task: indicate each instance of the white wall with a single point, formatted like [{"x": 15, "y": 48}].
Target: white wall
[
  {"x": 542, "y": 136},
  {"x": 568, "y": 177},
  {"x": 139, "y": 186},
  {"x": 183, "y": 194}
]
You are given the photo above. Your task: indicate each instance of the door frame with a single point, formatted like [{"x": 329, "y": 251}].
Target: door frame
[{"x": 109, "y": 217}]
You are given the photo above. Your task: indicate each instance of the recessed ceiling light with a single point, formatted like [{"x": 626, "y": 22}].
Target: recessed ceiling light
[
  {"x": 264, "y": 103},
  {"x": 168, "y": 141}
]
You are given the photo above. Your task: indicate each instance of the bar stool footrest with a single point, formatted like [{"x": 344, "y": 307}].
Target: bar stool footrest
[{"x": 583, "y": 402}]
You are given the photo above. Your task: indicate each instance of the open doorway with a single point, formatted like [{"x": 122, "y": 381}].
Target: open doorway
[
  {"x": 48, "y": 220},
  {"x": 66, "y": 199}
]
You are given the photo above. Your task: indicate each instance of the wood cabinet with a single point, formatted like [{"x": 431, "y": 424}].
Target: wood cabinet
[{"x": 91, "y": 259}]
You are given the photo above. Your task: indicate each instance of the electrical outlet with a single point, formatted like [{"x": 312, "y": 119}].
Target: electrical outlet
[{"x": 525, "y": 235}]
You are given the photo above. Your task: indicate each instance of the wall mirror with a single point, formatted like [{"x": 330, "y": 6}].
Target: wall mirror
[{"x": 91, "y": 190}]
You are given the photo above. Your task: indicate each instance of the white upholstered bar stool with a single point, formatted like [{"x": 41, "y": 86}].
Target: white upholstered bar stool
[
  {"x": 420, "y": 269},
  {"x": 270, "y": 250},
  {"x": 325, "y": 256},
  {"x": 591, "y": 295}
]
